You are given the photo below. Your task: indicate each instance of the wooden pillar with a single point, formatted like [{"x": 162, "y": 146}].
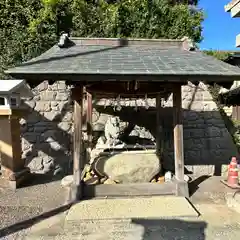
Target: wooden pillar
[
  {"x": 13, "y": 167},
  {"x": 159, "y": 134},
  {"x": 89, "y": 124},
  {"x": 78, "y": 152},
  {"x": 182, "y": 188}
]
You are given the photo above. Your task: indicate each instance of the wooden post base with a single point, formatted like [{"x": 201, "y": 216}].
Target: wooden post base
[
  {"x": 14, "y": 180},
  {"x": 13, "y": 170},
  {"x": 76, "y": 193},
  {"x": 182, "y": 189}
]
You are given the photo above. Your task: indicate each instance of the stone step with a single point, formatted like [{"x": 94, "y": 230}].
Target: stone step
[
  {"x": 112, "y": 217},
  {"x": 134, "y": 208},
  {"x": 145, "y": 230},
  {"x": 125, "y": 229},
  {"x": 216, "y": 222},
  {"x": 88, "y": 230}
]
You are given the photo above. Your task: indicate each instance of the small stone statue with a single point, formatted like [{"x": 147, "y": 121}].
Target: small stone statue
[{"x": 112, "y": 131}]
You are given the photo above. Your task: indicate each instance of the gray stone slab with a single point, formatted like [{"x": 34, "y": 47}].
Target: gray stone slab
[
  {"x": 216, "y": 222},
  {"x": 153, "y": 207}
]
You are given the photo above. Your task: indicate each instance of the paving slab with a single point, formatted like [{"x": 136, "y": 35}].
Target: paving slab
[
  {"x": 233, "y": 201},
  {"x": 152, "y": 207},
  {"x": 53, "y": 225},
  {"x": 209, "y": 189},
  {"x": 217, "y": 222},
  {"x": 128, "y": 229}
]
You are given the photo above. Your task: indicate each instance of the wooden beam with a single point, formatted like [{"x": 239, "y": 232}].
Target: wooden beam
[
  {"x": 78, "y": 153},
  {"x": 128, "y": 88},
  {"x": 125, "y": 95},
  {"x": 77, "y": 92},
  {"x": 89, "y": 119},
  {"x": 158, "y": 125},
  {"x": 87, "y": 124},
  {"x": 178, "y": 133},
  {"x": 14, "y": 112},
  {"x": 182, "y": 188},
  {"x": 93, "y": 78}
]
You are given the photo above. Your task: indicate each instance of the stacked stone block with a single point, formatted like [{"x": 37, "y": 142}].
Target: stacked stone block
[
  {"x": 46, "y": 131},
  {"x": 207, "y": 143}
]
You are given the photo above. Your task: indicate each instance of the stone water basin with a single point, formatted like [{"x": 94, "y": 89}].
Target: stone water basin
[{"x": 128, "y": 165}]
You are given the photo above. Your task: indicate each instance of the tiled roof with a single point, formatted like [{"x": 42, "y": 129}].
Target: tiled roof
[{"x": 158, "y": 59}]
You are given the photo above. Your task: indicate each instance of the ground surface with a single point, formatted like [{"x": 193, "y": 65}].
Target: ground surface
[
  {"x": 217, "y": 221},
  {"x": 26, "y": 203}
]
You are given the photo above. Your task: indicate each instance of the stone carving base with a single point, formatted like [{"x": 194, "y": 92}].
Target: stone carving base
[
  {"x": 91, "y": 177},
  {"x": 13, "y": 180},
  {"x": 128, "y": 166}
]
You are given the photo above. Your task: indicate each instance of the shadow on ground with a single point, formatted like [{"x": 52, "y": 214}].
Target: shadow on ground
[
  {"x": 171, "y": 229},
  {"x": 194, "y": 184},
  {"x": 19, "y": 226},
  {"x": 38, "y": 179}
]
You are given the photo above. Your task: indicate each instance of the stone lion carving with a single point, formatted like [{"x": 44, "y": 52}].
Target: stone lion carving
[
  {"x": 112, "y": 132},
  {"x": 112, "y": 129}
]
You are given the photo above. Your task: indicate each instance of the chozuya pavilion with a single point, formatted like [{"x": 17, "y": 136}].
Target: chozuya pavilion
[{"x": 109, "y": 68}]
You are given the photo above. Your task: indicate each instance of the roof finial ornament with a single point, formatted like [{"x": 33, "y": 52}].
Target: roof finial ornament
[
  {"x": 188, "y": 44},
  {"x": 64, "y": 41}
]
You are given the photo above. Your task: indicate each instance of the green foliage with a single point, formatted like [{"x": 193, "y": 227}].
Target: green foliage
[
  {"x": 136, "y": 19},
  {"x": 214, "y": 90},
  {"x": 55, "y": 13},
  {"x": 220, "y": 55},
  {"x": 29, "y": 27},
  {"x": 17, "y": 44},
  {"x": 233, "y": 126}
]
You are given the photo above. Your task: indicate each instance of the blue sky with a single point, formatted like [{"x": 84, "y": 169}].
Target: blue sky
[{"x": 220, "y": 29}]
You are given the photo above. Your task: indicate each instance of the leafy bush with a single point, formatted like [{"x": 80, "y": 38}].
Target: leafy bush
[{"x": 30, "y": 27}]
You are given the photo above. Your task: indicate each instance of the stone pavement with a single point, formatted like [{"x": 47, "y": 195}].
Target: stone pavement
[
  {"x": 233, "y": 201},
  {"x": 217, "y": 222},
  {"x": 138, "y": 207}
]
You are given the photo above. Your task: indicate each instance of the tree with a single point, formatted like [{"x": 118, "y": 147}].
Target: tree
[
  {"x": 220, "y": 55},
  {"x": 16, "y": 42},
  {"x": 190, "y": 2},
  {"x": 126, "y": 18},
  {"x": 27, "y": 28}
]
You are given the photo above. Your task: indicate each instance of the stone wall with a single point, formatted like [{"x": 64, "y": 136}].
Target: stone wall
[
  {"x": 47, "y": 131},
  {"x": 207, "y": 142}
]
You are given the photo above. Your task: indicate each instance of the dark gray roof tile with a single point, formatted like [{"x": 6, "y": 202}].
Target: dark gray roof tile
[{"x": 118, "y": 60}]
